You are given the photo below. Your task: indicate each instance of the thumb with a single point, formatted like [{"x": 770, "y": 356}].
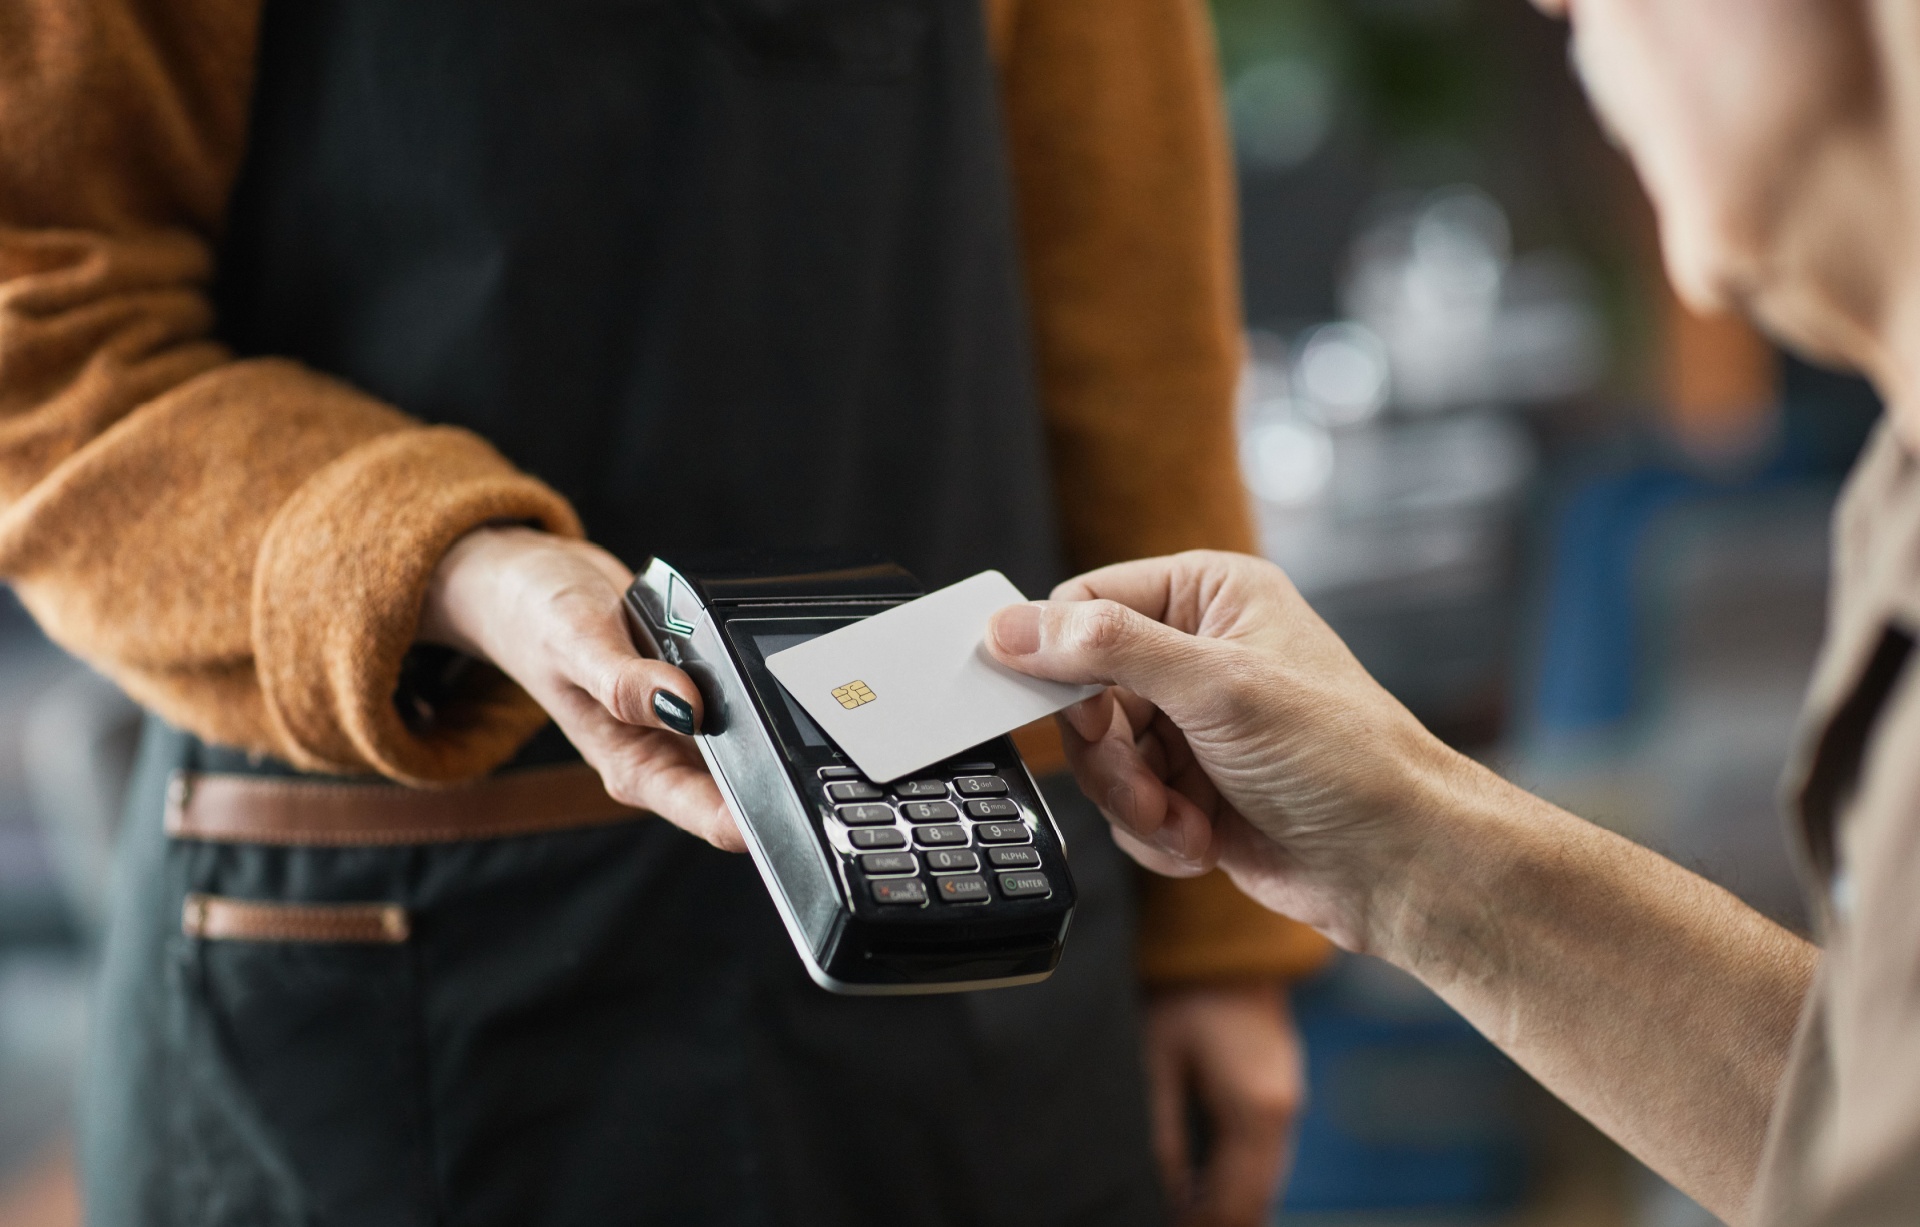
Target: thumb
[
  {"x": 1102, "y": 642},
  {"x": 600, "y": 659}
]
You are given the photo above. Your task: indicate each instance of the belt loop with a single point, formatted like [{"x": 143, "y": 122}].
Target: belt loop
[{"x": 179, "y": 792}]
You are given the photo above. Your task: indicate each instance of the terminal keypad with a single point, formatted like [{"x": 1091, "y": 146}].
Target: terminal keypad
[{"x": 959, "y": 840}]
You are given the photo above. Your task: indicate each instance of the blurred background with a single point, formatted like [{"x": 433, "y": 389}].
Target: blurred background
[{"x": 1579, "y": 530}]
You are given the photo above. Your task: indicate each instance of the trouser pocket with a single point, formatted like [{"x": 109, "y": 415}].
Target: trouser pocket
[
  {"x": 296, "y": 1077},
  {"x": 348, "y": 1003},
  {"x": 217, "y": 918}
]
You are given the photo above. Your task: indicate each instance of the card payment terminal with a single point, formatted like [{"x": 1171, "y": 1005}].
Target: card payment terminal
[{"x": 952, "y": 878}]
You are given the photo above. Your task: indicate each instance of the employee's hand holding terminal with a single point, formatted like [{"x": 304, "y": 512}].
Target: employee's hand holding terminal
[
  {"x": 546, "y": 611},
  {"x": 952, "y": 876},
  {"x": 953, "y": 879}
]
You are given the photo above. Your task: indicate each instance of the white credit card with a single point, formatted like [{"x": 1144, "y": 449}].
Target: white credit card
[{"x": 906, "y": 688}]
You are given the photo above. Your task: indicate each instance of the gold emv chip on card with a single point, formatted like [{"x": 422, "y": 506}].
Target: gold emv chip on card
[{"x": 853, "y": 694}]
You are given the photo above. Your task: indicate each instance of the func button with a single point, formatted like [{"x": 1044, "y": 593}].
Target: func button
[
  {"x": 899, "y": 890},
  {"x": 1025, "y": 885},
  {"x": 939, "y": 837},
  {"x": 865, "y": 815},
  {"x": 969, "y": 889},
  {"x": 929, "y": 811},
  {"x": 1002, "y": 832},
  {"x": 952, "y": 860},
  {"x": 882, "y": 863}
]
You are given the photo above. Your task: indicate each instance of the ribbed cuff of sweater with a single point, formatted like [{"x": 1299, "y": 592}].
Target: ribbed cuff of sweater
[{"x": 338, "y": 587}]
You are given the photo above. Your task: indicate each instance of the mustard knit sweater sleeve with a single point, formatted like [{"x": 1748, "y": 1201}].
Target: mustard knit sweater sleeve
[
  {"x": 1125, "y": 199},
  {"x": 242, "y": 545}
]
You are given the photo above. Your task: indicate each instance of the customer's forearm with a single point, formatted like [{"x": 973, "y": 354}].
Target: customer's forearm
[{"x": 1651, "y": 1000}]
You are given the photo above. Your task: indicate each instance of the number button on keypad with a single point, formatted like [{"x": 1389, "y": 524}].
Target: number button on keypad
[
  {"x": 929, "y": 811},
  {"x": 920, "y": 790},
  {"x": 940, "y": 837},
  {"x": 952, "y": 860},
  {"x": 864, "y": 815},
  {"x": 869, "y": 838},
  {"x": 1002, "y": 832},
  {"x": 853, "y": 790},
  {"x": 993, "y": 807},
  {"x": 979, "y": 785}
]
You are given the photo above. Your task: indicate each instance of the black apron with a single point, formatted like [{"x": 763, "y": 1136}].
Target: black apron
[{"x": 724, "y": 272}]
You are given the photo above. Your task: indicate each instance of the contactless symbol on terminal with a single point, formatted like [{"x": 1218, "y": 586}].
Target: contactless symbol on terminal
[{"x": 853, "y": 694}]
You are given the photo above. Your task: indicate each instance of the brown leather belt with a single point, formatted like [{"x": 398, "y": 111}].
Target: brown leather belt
[{"x": 257, "y": 809}]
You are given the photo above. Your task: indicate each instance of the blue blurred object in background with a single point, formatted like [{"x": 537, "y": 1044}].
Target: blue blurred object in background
[
  {"x": 1408, "y": 1109},
  {"x": 1594, "y": 658}
]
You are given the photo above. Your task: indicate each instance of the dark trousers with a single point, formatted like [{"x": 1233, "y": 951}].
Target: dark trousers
[{"x": 596, "y": 1027}]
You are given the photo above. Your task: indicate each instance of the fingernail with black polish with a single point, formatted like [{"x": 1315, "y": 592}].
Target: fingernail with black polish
[{"x": 673, "y": 711}]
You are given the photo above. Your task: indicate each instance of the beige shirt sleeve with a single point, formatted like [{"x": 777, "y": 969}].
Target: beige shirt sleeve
[{"x": 1844, "y": 1148}]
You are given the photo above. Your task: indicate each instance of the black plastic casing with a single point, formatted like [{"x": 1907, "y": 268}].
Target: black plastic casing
[{"x": 706, "y": 616}]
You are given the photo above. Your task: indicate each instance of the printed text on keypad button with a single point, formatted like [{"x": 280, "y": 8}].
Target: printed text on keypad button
[
  {"x": 1002, "y": 832},
  {"x": 969, "y": 889},
  {"x": 899, "y": 890},
  {"x": 952, "y": 860},
  {"x": 979, "y": 785},
  {"x": 1014, "y": 858},
  {"x": 890, "y": 862},
  {"x": 929, "y": 811},
  {"x": 1024, "y": 885},
  {"x": 992, "y": 807}
]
